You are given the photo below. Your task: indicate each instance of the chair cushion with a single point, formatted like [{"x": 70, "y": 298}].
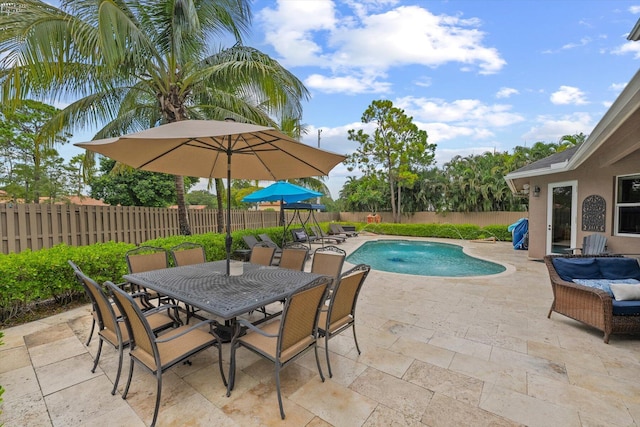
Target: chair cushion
[
  {"x": 577, "y": 268},
  {"x": 603, "y": 284},
  {"x": 301, "y": 235},
  {"x": 626, "y": 308},
  {"x": 619, "y": 268},
  {"x": 625, "y": 291}
]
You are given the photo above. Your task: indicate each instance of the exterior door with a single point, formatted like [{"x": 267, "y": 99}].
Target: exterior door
[{"x": 562, "y": 216}]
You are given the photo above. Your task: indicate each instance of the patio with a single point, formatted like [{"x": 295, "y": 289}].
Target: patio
[{"x": 435, "y": 352}]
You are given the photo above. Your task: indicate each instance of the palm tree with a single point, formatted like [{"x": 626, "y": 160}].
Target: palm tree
[{"x": 132, "y": 65}]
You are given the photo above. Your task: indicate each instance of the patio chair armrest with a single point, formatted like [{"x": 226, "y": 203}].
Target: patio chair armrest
[
  {"x": 186, "y": 331},
  {"x": 254, "y": 328},
  {"x": 159, "y": 309}
]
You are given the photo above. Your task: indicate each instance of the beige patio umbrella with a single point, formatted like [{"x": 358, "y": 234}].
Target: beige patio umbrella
[{"x": 217, "y": 149}]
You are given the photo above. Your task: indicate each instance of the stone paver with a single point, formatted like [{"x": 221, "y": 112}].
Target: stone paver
[{"x": 435, "y": 352}]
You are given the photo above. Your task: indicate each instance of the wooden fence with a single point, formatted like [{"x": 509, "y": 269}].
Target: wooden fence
[{"x": 38, "y": 226}]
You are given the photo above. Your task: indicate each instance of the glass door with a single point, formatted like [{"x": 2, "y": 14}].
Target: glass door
[{"x": 561, "y": 216}]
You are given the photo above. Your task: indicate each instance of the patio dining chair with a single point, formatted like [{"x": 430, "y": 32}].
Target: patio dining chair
[
  {"x": 328, "y": 261},
  {"x": 262, "y": 254},
  {"x": 147, "y": 258},
  {"x": 157, "y": 354},
  {"x": 278, "y": 254},
  {"x": 293, "y": 258},
  {"x": 286, "y": 338},
  {"x": 109, "y": 320},
  {"x": 188, "y": 253},
  {"x": 340, "y": 314}
]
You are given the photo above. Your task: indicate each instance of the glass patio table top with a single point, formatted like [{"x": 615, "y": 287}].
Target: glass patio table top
[{"x": 207, "y": 287}]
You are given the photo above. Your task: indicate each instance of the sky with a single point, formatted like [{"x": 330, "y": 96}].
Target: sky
[{"x": 476, "y": 75}]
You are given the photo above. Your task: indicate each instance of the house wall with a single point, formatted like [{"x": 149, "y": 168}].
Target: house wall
[{"x": 594, "y": 176}]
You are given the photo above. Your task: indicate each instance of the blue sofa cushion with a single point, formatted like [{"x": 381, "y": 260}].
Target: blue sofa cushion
[
  {"x": 577, "y": 268},
  {"x": 619, "y": 268},
  {"x": 603, "y": 284},
  {"x": 626, "y": 308}
]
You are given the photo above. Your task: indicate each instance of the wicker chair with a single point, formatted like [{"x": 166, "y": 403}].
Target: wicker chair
[
  {"x": 157, "y": 354},
  {"x": 588, "y": 305},
  {"x": 340, "y": 314},
  {"x": 287, "y": 338},
  {"x": 109, "y": 321}
]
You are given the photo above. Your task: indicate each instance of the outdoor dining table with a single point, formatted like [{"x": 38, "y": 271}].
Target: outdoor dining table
[{"x": 207, "y": 287}]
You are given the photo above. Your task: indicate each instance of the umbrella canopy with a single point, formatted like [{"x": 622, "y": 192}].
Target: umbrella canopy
[
  {"x": 217, "y": 149},
  {"x": 283, "y": 191},
  {"x": 204, "y": 148}
]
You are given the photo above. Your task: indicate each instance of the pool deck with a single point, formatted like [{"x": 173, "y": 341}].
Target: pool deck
[{"x": 435, "y": 352}]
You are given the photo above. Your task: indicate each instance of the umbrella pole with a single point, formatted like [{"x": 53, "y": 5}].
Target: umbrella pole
[{"x": 228, "y": 240}]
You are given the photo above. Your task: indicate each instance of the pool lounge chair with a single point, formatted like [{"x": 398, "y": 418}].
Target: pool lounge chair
[
  {"x": 321, "y": 235},
  {"x": 338, "y": 229}
]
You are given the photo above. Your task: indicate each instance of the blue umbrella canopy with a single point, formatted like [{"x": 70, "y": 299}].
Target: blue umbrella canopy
[{"x": 283, "y": 191}]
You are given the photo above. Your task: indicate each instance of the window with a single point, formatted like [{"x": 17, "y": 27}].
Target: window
[{"x": 628, "y": 205}]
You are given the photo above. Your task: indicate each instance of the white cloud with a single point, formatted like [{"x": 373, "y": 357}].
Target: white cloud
[
  {"x": 506, "y": 92},
  {"x": 629, "y": 47},
  {"x": 634, "y": 9},
  {"x": 617, "y": 87},
  {"x": 550, "y": 129},
  {"x": 467, "y": 112},
  {"x": 568, "y": 95},
  {"x": 316, "y": 33},
  {"x": 347, "y": 84}
]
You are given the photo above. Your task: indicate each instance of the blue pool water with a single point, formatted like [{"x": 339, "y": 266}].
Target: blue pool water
[{"x": 422, "y": 258}]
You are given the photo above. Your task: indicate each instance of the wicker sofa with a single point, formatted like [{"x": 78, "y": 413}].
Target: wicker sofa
[{"x": 591, "y": 301}]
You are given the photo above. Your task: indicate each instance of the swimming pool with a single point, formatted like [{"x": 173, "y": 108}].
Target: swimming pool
[{"x": 422, "y": 258}]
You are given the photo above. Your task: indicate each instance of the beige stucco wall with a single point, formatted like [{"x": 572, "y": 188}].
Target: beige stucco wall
[{"x": 593, "y": 178}]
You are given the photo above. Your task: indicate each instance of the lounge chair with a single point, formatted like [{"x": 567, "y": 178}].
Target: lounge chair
[
  {"x": 324, "y": 237},
  {"x": 285, "y": 339},
  {"x": 157, "y": 354},
  {"x": 250, "y": 241},
  {"x": 337, "y": 229},
  {"x": 340, "y": 314}
]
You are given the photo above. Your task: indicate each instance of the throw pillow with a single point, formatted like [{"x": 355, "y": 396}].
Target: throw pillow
[
  {"x": 625, "y": 291},
  {"x": 301, "y": 235}
]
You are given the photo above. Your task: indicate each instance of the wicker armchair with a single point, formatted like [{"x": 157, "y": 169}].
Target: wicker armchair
[{"x": 588, "y": 305}]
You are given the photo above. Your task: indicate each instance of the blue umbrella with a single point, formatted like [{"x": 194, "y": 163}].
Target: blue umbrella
[{"x": 283, "y": 191}]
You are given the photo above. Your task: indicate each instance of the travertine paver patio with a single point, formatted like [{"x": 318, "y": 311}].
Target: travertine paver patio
[{"x": 436, "y": 352}]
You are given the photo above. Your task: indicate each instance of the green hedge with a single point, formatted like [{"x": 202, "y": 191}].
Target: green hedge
[{"x": 37, "y": 276}]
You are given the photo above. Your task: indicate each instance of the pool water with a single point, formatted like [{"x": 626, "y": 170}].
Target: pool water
[{"x": 422, "y": 258}]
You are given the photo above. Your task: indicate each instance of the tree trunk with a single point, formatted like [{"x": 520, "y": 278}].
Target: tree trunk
[
  {"x": 183, "y": 218},
  {"x": 219, "y": 197},
  {"x": 393, "y": 200},
  {"x": 399, "y": 210}
]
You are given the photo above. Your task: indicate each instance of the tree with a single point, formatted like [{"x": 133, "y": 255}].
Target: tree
[
  {"x": 135, "y": 65},
  {"x": 29, "y": 160},
  {"x": 201, "y": 197},
  {"x": 396, "y": 150},
  {"x": 131, "y": 187}
]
